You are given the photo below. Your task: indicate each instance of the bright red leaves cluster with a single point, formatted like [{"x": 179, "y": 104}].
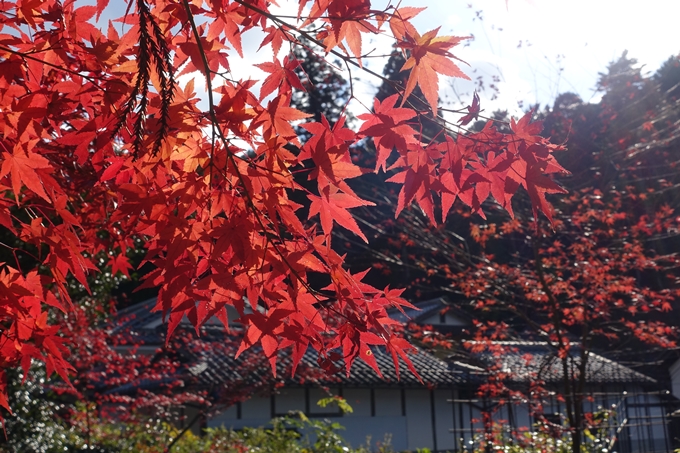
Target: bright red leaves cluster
[
  {"x": 470, "y": 168},
  {"x": 100, "y": 145}
]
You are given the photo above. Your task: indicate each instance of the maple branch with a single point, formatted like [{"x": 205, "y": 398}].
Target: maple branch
[
  {"x": 548, "y": 292},
  {"x": 204, "y": 60},
  {"x": 345, "y": 58},
  {"x": 54, "y": 66},
  {"x": 435, "y": 118},
  {"x": 230, "y": 155},
  {"x": 351, "y": 86},
  {"x": 572, "y": 399}
]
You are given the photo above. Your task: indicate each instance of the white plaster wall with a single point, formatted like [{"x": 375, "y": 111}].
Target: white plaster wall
[
  {"x": 216, "y": 422},
  {"x": 463, "y": 414},
  {"x": 257, "y": 408},
  {"x": 289, "y": 400},
  {"x": 444, "y": 419},
  {"x": 254, "y": 412},
  {"x": 418, "y": 419},
  {"x": 476, "y": 414},
  {"x": 230, "y": 413},
  {"x": 657, "y": 419},
  {"x": 522, "y": 416},
  {"x": 358, "y": 430},
  {"x": 408, "y": 432},
  {"x": 360, "y": 400},
  {"x": 387, "y": 402}
]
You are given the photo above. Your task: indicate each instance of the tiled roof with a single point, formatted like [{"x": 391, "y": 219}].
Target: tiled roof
[
  {"x": 218, "y": 366},
  {"x": 424, "y": 310},
  {"x": 529, "y": 360},
  {"x": 148, "y": 327},
  {"x": 135, "y": 317},
  {"x": 215, "y": 365}
]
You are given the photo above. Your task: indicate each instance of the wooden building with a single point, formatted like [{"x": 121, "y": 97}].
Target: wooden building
[{"x": 441, "y": 413}]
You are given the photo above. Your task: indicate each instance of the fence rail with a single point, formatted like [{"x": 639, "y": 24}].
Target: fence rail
[{"x": 631, "y": 420}]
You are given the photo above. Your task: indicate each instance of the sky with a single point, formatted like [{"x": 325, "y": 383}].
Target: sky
[
  {"x": 540, "y": 48},
  {"x": 531, "y": 50}
]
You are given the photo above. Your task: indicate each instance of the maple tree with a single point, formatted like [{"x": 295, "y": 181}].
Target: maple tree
[
  {"x": 580, "y": 289},
  {"x": 110, "y": 380},
  {"x": 602, "y": 276},
  {"x": 102, "y": 147}
]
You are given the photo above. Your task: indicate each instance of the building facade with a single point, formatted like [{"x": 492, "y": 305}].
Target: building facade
[{"x": 443, "y": 412}]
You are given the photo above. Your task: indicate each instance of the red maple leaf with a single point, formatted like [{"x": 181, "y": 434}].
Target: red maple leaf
[
  {"x": 429, "y": 56},
  {"x": 22, "y": 168},
  {"x": 473, "y": 111},
  {"x": 419, "y": 180},
  {"x": 332, "y": 206},
  {"x": 533, "y": 179},
  {"x": 389, "y": 128},
  {"x": 281, "y": 77}
]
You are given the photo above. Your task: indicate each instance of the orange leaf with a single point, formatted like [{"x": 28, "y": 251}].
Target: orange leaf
[{"x": 429, "y": 56}]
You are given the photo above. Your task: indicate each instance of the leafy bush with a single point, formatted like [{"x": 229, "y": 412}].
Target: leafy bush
[{"x": 294, "y": 433}]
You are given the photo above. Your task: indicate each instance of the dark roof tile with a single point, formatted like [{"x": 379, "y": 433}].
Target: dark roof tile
[
  {"x": 529, "y": 360},
  {"x": 215, "y": 365}
]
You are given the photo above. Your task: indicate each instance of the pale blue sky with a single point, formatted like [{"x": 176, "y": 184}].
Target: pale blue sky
[
  {"x": 564, "y": 44},
  {"x": 578, "y": 36}
]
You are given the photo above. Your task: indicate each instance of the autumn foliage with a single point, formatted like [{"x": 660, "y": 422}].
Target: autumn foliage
[
  {"x": 600, "y": 277},
  {"x": 102, "y": 145}
]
